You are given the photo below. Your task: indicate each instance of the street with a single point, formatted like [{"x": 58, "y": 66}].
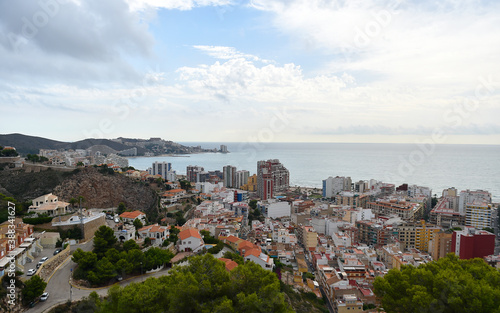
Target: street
[{"x": 60, "y": 289}]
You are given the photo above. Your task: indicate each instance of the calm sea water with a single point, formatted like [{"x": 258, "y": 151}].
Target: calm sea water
[{"x": 437, "y": 167}]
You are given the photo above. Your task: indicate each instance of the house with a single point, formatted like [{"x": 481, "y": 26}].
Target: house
[
  {"x": 124, "y": 232},
  {"x": 256, "y": 256},
  {"x": 132, "y": 216},
  {"x": 49, "y": 204},
  {"x": 190, "y": 240},
  {"x": 173, "y": 195},
  {"x": 155, "y": 232}
]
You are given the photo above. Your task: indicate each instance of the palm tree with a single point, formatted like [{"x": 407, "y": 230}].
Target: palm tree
[{"x": 73, "y": 201}]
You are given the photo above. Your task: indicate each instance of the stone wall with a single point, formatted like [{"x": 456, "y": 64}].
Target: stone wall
[
  {"x": 91, "y": 227},
  {"x": 50, "y": 265}
]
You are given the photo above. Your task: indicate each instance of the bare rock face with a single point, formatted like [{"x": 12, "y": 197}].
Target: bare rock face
[{"x": 108, "y": 190}]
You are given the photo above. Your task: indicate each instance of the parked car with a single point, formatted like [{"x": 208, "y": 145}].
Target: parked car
[
  {"x": 57, "y": 251},
  {"x": 44, "y": 259},
  {"x": 109, "y": 217},
  {"x": 31, "y": 272},
  {"x": 117, "y": 220},
  {"x": 44, "y": 296}
]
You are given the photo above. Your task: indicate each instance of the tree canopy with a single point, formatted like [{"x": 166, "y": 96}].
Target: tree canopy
[
  {"x": 202, "y": 286},
  {"x": 33, "y": 288},
  {"x": 446, "y": 285},
  {"x": 104, "y": 239}
]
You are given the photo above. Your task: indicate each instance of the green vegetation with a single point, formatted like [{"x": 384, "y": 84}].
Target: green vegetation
[
  {"x": 73, "y": 233},
  {"x": 174, "y": 234},
  {"x": 234, "y": 256},
  {"x": 35, "y": 158},
  {"x": 137, "y": 224},
  {"x": 104, "y": 169},
  {"x": 307, "y": 275},
  {"x": 33, "y": 288},
  {"x": 186, "y": 185},
  {"x": 209, "y": 239},
  {"x": 179, "y": 217},
  {"x": 110, "y": 259},
  {"x": 104, "y": 239},
  {"x": 446, "y": 285},
  {"x": 25, "y": 186},
  {"x": 254, "y": 213},
  {"x": 202, "y": 286},
  {"x": 489, "y": 229},
  {"x": 8, "y": 152},
  {"x": 100, "y": 271},
  {"x": 304, "y": 301},
  {"x": 41, "y": 219},
  {"x": 121, "y": 208},
  {"x": 5, "y": 203}
]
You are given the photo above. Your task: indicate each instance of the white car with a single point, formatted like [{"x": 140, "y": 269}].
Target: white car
[
  {"x": 44, "y": 296},
  {"x": 44, "y": 259},
  {"x": 31, "y": 272}
]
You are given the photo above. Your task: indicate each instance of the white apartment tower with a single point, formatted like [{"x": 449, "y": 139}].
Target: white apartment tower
[
  {"x": 229, "y": 176},
  {"x": 333, "y": 185},
  {"x": 241, "y": 178}
]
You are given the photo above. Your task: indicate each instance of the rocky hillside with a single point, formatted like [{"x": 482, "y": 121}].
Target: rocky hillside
[
  {"x": 108, "y": 190},
  {"x": 25, "y": 186},
  {"x": 99, "y": 190}
]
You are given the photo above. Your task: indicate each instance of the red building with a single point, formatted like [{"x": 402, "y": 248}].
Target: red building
[{"x": 471, "y": 243}]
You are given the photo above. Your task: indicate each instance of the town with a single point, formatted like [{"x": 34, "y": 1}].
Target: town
[{"x": 333, "y": 242}]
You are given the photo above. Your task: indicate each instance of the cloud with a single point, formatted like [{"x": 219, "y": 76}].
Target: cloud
[
  {"x": 71, "y": 42},
  {"x": 439, "y": 43},
  {"x": 175, "y": 4},
  {"x": 227, "y": 53},
  {"x": 472, "y": 129},
  {"x": 241, "y": 79}
]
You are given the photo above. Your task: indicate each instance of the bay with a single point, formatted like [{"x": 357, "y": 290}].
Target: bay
[{"x": 436, "y": 166}]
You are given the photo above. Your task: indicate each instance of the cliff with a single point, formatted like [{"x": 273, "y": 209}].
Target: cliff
[{"x": 108, "y": 190}]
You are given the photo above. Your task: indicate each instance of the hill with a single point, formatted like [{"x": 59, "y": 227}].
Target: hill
[
  {"x": 25, "y": 186},
  {"x": 108, "y": 190},
  {"x": 25, "y": 144},
  {"x": 99, "y": 190}
]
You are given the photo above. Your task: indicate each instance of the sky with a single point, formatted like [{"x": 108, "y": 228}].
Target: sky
[{"x": 252, "y": 70}]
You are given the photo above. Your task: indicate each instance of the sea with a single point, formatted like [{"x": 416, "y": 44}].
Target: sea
[{"x": 436, "y": 166}]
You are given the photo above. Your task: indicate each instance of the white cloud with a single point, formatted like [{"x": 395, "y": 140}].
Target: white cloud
[
  {"x": 427, "y": 43},
  {"x": 79, "y": 43},
  {"x": 175, "y": 4},
  {"x": 240, "y": 79},
  {"x": 227, "y": 53}
]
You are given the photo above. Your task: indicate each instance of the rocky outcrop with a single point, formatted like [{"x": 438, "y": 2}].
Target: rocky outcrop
[
  {"x": 25, "y": 186},
  {"x": 108, "y": 190}
]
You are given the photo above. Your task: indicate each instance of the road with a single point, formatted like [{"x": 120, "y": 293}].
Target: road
[
  {"x": 47, "y": 252},
  {"x": 60, "y": 289}
]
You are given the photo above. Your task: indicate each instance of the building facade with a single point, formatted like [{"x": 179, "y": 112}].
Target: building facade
[{"x": 272, "y": 177}]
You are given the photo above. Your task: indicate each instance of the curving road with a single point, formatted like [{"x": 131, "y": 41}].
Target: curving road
[{"x": 60, "y": 290}]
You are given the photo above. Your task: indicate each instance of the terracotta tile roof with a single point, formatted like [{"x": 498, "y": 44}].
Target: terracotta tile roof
[
  {"x": 190, "y": 232},
  {"x": 230, "y": 264},
  {"x": 175, "y": 191},
  {"x": 244, "y": 244},
  {"x": 232, "y": 239},
  {"x": 254, "y": 252},
  {"x": 132, "y": 215},
  {"x": 145, "y": 228}
]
